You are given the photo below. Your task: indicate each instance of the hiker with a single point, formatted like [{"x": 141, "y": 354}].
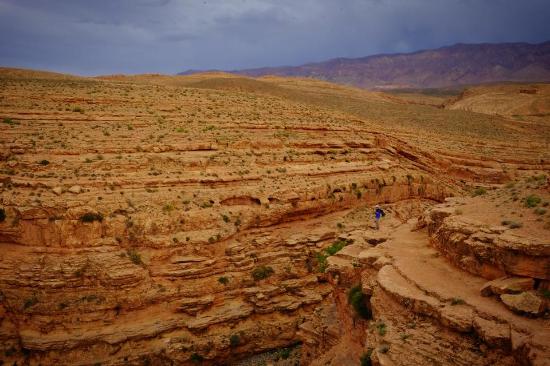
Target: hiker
[{"x": 378, "y": 214}]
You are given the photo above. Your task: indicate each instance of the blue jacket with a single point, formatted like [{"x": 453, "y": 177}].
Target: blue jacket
[{"x": 378, "y": 213}]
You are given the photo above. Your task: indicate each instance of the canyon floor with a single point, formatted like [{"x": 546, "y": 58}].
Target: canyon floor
[{"x": 215, "y": 219}]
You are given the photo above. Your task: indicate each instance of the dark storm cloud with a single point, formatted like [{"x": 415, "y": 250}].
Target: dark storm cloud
[{"x": 113, "y": 36}]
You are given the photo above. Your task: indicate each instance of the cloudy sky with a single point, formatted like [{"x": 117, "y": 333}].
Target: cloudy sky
[{"x": 92, "y": 37}]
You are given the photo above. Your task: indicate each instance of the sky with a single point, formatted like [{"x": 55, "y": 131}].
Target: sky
[{"x": 96, "y": 37}]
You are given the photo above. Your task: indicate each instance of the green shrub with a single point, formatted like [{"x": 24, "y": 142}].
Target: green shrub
[
  {"x": 262, "y": 272},
  {"x": 336, "y": 247},
  {"x": 234, "y": 340},
  {"x": 91, "y": 217},
  {"x": 384, "y": 348},
  {"x": 196, "y": 358},
  {"x": 545, "y": 293},
  {"x": 31, "y": 301},
  {"x": 381, "y": 329},
  {"x": 357, "y": 299},
  {"x": 365, "y": 358},
  {"x": 327, "y": 252},
  {"x": 321, "y": 262},
  {"x": 285, "y": 353},
  {"x": 479, "y": 191},
  {"x": 135, "y": 257},
  {"x": 10, "y": 121},
  {"x": 2, "y": 215},
  {"x": 44, "y": 162},
  {"x": 168, "y": 207},
  {"x": 532, "y": 201},
  {"x": 223, "y": 280},
  {"x": 457, "y": 301}
]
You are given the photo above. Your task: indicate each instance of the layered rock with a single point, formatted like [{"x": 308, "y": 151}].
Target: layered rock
[{"x": 425, "y": 311}]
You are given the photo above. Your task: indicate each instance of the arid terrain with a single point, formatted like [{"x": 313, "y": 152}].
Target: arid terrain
[{"x": 216, "y": 219}]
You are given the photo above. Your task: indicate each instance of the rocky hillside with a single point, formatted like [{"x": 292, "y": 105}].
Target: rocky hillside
[
  {"x": 520, "y": 101},
  {"x": 461, "y": 64},
  {"x": 153, "y": 220}
]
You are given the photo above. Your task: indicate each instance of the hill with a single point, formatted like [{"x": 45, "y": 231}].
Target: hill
[
  {"x": 460, "y": 64},
  {"x": 520, "y": 101}
]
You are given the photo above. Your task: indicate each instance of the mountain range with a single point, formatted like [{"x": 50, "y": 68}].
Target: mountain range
[{"x": 460, "y": 64}]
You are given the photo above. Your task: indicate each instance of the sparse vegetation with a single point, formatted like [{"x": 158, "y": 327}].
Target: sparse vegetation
[
  {"x": 457, "y": 301},
  {"x": 334, "y": 248},
  {"x": 234, "y": 340},
  {"x": 365, "y": 358},
  {"x": 381, "y": 328},
  {"x": 10, "y": 121},
  {"x": 30, "y": 302},
  {"x": 91, "y": 217},
  {"x": 196, "y": 358},
  {"x": 135, "y": 257},
  {"x": 357, "y": 299},
  {"x": 223, "y": 280},
  {"x": 384, "y": 348},
  {"x": 479, "y": 191},
  {"x": 262, "y": 272},
  {"x": 532, "y": 200}
]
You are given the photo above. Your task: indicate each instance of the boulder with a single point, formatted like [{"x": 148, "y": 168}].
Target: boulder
[
  {"x": 75, "y": 189},
  {"x": 493, "y": 333},
  {"x": 507, "y": 285},
  {"x": 57, "y": 190},
  {"x": 524, "y": 303}
]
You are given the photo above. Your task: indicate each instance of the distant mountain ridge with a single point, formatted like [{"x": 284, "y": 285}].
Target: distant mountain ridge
[{"x": 460, "y": 64}]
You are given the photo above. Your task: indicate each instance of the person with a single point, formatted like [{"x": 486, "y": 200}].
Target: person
[{"x": 378, "y": 214}]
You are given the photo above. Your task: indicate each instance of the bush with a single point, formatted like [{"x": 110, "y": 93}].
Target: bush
[
  {"x": 327, "y": 252},
  {"x": 262, "y": 272},
  {"x": 91, "y": 217},
  {"x": 357, "y": 299},
  {"x": 10, "y": 121},
  {"x": 31, "y": 301},
  {"x": 135, "y": 257},
  {"x": 336, "y": 247},
  {"x": 540, "y": 211},
  {"x": 457, "y": 301},
  {"x": 234, "y": 340},
  {"x": 223, "y": 280},
  {"x": 44, "y": 162},
  {"x": 2, "y": 215},
  {"x": 285, "y": 353},
  {"x": 532, "y": 201},
  {"x": 321, "y": 262},
  {"x": 479, "y": 191},
  {"x": 365, "y": 358},
  {"x": 381, "y": 329},
  {"x": 384, "y": 348},
  {"x": 196, "y": 358}
]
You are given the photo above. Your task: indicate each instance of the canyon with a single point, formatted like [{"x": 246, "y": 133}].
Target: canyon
[{"x": 211, "y": 218}]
